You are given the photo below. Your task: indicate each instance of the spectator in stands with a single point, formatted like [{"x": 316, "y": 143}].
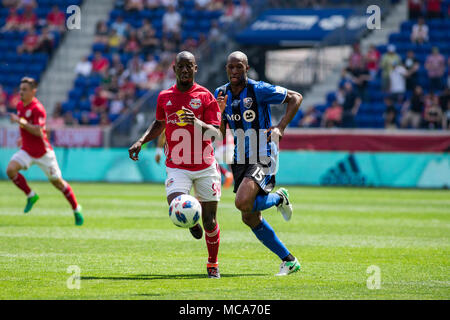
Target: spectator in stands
[
  {"x": 28, "y": 4},
  {"x": 10, "y": 3},
  {"x": 167, "y": 3},
  {"x": 419, "y": 34},
  {"x": 104, "y": 120},
  {"x": 243, "y": 12},
  {"x": 356, "y": 58},
  {"x": 114, "y": 41},
  {"x": 202, "y": 4},
  {"x": 147, "y": 37},
  {"x": 310, "y": 119},
  {"x": 412, "y": 110},
  {"x": 387, "y": 62},
  {"x": 13, "y": 100},
  {"x": 432, "y": 116},
  {"x": 99, "y": 101},
  {"x": 190, "y": 44},
  {"x": 101, "y": 32},
  {"x": 28, "y": 20},
  {"x": 150, "y": 64},
  {"x": 85, "y": 118},
  {"x": 100, "y": 64},
  {"x": 12, "y": 21},
  {"x": 136, "y": 74},
  {"x": 412, "y": 66},
  {"x": 332, "y": 117},
  {"x": 56, "y": 19},
  {"x": 415, "y": 9},
  {"x": 120, "y": 26},
  {"x": 435, "y": 66},
  {"x": 434, "y": 9},
  {"x": 172, "y": 23},
  {"x": 45, "y": 42},
  {"x": 69, "y": 119},
  {"x": 359, "y": 76},
  {"x": 134, "y": 5},
  {"x": 397, "y": 80},
  {"x": 30, "y": 43},
  {"x": 390, "y": 114},
  {"x": 117, "y": 104},
  {"x": 117, "y": 67},
  {"x": 372, "y": 60},
  {"x": 350, "y": 106},
  {"x": 227, "y": 18},
  {"x": 56, "y": 120},
  {"x": 152, "y": 4},
  {"x": 216, "y": 5},
  {"x": 83, "y": 67},
  {"x": 3, "y": 101},
  {"x": 155, "y": 78}
]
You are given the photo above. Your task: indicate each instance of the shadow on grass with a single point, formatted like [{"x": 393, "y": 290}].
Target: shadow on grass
[{"x": 169, "y": 276}]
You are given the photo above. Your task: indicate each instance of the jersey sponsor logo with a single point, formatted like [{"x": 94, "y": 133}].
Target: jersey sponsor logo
[
  {"x": 195, "y": 103},
  {"x": 248, "y": 102},
  {"x": 234, "y": 117},
  {"x": 249, "y": 115},
  {"x": 174, "y": 118}
]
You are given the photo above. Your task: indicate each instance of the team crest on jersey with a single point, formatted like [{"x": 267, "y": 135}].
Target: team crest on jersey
[
  {"x": 195, "y": 103},
  {"x": 248, "y": 102},
  {"x": 27, "y": 113}
]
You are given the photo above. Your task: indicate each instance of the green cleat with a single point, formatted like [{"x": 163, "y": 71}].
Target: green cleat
[
  {"x": 78, "y": 217},
  {"x": 30, "y": 203}
]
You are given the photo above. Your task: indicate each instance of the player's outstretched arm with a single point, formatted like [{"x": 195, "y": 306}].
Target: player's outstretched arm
[
  {"x": 35, "y": 130},
  {"x": 152, "y": 132},
  {"x": 293, "y": 100}
]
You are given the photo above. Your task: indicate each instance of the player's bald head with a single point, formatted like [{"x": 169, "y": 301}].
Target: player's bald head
[
  {"x": 239, "y": 56},
  {"x": 185, "y": 55}
]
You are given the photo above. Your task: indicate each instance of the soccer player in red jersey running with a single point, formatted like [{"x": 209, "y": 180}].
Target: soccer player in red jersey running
[
  {"x": 35, "y": 149},
  {"x": 187, "y": 111}
]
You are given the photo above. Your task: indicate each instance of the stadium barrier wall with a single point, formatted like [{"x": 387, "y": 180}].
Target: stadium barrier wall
[{"x": 371, "y": 169}]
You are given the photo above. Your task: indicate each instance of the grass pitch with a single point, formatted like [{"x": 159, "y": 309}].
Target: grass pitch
[{"x": 129, "y": 249}]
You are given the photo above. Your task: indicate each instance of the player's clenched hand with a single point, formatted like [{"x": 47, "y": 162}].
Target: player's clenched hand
[
  {"x": 188, "y": 116},
  {"x": 222, "y": 101},
  {"x": 14, "y": 118},
  {"x": 276, "y": 133},
  {"x": 134, "y": 151}
]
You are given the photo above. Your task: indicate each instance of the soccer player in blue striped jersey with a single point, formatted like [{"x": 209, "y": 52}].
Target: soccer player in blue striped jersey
[{"x": 246, "y": 104}]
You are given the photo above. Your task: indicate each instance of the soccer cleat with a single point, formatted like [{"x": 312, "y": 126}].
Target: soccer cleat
[
  {"x": 213, "y": 270},
  {"x": 196, "y": 231},
  {"x": 285, "y": 206},
  {"x": 288, "y": 267},
  {"x": 78, "y": 217},
  {"x": 228, "y": 180},
  {"x": 30, "y": 203}
]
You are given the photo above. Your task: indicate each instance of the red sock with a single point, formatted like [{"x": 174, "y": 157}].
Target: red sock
[
  {"x": 212, "y": 242},
  {"x": 68, "y": 193},
  {"x": 20, "y": 181}
]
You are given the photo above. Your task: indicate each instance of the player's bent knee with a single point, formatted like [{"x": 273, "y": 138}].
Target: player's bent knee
[
  {"x": 243, "y": 205},
  {"x": 11, "y": 171}
]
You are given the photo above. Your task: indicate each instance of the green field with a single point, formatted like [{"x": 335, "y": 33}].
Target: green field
[{"x": 129, "y": 249}]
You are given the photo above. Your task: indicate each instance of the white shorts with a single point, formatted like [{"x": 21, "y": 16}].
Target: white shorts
[
  {"x": 207, "y": 182},
  {"x": 47, "y": 163}
]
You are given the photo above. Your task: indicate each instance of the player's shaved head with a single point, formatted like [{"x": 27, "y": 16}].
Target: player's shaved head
[
  {"x": 185, "y": 55},
  {"x": 238, "y": 55}
]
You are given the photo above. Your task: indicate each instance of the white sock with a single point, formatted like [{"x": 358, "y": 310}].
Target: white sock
[
  {"x": 31, "y": 194},
  {"x": 77, "y": 209}
]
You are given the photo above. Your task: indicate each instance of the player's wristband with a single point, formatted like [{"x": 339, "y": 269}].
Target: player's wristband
[{"x": 159, "y": 151}]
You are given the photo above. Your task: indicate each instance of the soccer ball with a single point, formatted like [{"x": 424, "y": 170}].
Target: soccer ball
[{"x": 185, "y": 211}]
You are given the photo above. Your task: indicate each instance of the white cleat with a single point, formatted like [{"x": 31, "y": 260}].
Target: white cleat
[
  {"x": 288, "y": 267},
  {"x": 285, "y": 206}
]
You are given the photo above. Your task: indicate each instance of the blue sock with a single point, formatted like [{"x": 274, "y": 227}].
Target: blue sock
[
  {"x": 267, "y": 236},
  {"x": 263, "y": 202}
]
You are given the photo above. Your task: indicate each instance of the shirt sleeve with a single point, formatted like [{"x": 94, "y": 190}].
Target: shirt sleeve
[
  {"x": 39, "y": 117},
  {"x": 160, "y": 113},
  {"x": 270, "y": 94},
  {"x": 211, "y": 113}
]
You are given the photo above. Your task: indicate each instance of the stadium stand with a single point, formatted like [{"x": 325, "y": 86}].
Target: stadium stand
[
  {"x": 30, "y": 31},
  {"x": 393, "y": 83}
]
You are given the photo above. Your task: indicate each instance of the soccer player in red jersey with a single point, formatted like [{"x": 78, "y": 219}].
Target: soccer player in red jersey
[
  {"x": 187, "y": 111},
  {"x": 35, "y": 149}
]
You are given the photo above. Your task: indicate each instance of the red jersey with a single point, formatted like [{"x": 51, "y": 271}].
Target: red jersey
[
  {"x": 182, "y": 137},
  {"x": 35, "y": 114}
]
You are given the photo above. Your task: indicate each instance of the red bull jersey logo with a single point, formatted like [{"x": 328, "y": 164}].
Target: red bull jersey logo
[{"x": 174, "y": 118}]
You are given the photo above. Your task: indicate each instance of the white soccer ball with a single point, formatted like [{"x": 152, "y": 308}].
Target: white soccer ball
[{"x": 185, "y": 211}]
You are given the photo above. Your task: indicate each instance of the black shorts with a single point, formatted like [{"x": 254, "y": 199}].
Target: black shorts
[{"x": 257, "y": 172}]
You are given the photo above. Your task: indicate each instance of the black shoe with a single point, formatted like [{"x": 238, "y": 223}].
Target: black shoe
[
  {"x": 196, "y": 231},
  {"x": 213, "y": 272}
]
